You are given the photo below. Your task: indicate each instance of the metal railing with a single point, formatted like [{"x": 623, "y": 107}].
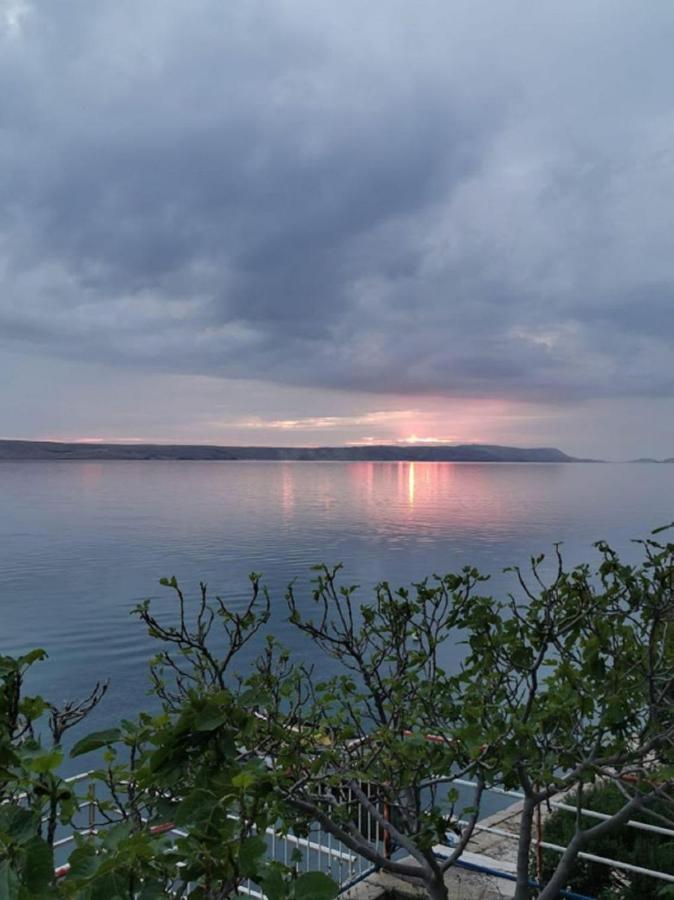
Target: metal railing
[
  {"x": 589, "y": 857},
  {"x": 320, "y": 851}
]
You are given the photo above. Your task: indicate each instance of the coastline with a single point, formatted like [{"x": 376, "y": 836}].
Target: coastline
[{"x": 40, "y": 451}]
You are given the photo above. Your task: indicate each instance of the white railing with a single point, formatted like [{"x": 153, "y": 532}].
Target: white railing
[
  {"x": 322, "y": 852},
  {"x": 319, "y": 851},
  {"x": 589, "y": 813},
  {"x": 590, "y": 857}
]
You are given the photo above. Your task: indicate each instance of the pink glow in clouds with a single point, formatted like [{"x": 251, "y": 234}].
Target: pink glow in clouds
[{"x": 432, "y": 421}]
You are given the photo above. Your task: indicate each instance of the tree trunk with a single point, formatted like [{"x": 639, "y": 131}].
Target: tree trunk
[
  {"x": 564, "y": 868},
  {"x": 437, "y": 890},
  {"x": 522, "y": 891},
  {"x": 562, "y": 873}
]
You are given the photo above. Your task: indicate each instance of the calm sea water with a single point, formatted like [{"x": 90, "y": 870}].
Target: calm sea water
[{"x": 80, "y": 543}]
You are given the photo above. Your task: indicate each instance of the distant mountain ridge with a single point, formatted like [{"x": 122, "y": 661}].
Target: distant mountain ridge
[{"x": 53, "y": 450}]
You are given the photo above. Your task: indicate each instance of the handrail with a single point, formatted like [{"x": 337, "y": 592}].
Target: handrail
[
  {"x": 590, "y": 813},
  {"x": 350, "y": 859},
  {"x": 590, "y": 857}
]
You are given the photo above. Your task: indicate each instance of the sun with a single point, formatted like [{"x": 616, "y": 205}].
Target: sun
[{"x": 414, "y": 438}]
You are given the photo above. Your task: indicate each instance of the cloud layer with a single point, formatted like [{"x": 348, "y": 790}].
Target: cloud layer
[{"x": 462, "y": 200}]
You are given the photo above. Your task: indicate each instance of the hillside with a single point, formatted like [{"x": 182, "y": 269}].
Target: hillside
[{"x": 51, "y": 450}]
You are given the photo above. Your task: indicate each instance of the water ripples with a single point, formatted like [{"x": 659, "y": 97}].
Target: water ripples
[{"x": 81, "y": 542}]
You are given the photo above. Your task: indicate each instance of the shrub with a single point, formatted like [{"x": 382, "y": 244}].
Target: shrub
[{"x": 630, "y": 845}]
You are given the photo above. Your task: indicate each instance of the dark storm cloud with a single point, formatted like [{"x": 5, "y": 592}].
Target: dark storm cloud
[{"x": 466, "y": 198}]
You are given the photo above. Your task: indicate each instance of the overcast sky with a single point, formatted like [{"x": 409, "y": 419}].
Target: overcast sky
[{"x": 308, "y": 222}]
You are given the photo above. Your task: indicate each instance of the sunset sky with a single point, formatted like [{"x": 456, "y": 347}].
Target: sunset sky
[{"x": 298, "y": 222}]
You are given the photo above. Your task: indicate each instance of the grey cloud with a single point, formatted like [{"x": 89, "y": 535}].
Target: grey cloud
[{"x": 462, "y": 199}]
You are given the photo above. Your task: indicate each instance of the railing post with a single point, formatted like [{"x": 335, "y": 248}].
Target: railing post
[{"x": 91, "y": 808}]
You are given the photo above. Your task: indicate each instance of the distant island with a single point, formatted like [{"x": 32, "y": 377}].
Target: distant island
[{"x": 488, "y": 453}]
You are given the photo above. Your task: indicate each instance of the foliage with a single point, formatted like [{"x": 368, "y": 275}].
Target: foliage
[
  {"x": 186, "y": 768},
  {"x": 34, "y": 798},
  {"x": 576, "y": 679},
  {"x": 181, "y": 805},
  {"x": 355, "y": 747},
  {"x": 566, "y": 683},
  {"x": 197, "y": 766},
  {"x": 641, "y": 848}
]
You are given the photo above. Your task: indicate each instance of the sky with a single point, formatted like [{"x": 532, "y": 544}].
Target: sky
[{"x": 298, "y": 222}]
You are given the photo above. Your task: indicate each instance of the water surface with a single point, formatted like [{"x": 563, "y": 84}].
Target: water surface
[{"x": 81, "y": 542}]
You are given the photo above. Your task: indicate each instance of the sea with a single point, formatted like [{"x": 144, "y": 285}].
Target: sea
[{"x": 81, "y": 543}]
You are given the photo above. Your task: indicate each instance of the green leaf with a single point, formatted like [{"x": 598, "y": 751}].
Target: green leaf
[
  {"x": 114, "y": 836},
  {"x": 7, "y": 664},
  {"x": 84, "y": 862},
  {"x": 315, "y": 886},
  {"x": 18, "y": 824},
  {"x": 152, "y": 891},
  {"x": 244, "y": 780},
  {"x": 95, "y": 741},
  {"x": 111, "y": 886},
  {"x": 196, "y": 808},
  {"x": 38, "y": 866},
  {"x": 273, "y": 884},
  {"x": 33, "y": 707},
  {"x": 164, "y": 759},
  {"x": 42, "y": 761},
  {"x": 209, "y": 718},
  {"x": 251, "y": 852},
  {"x": 9, "y": 882},
  {"x": 32, "y": 656}
]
